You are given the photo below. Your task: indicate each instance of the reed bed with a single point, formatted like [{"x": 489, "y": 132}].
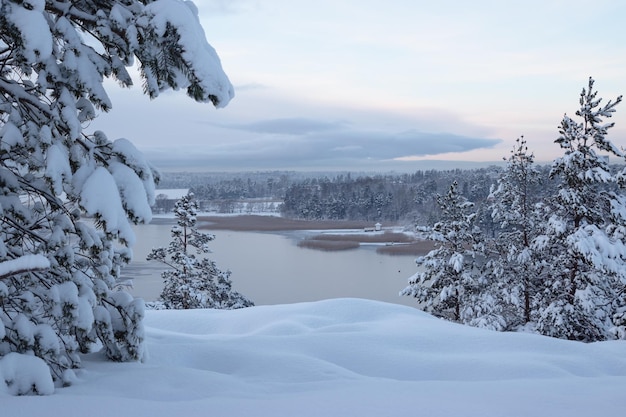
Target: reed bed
[
  {"x": 366, "y": 237},
  {"x": 395, "y": 243},
  {"x": 328, "y": 245}
]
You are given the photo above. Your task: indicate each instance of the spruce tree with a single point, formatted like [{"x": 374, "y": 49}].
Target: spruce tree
[
  {"x": 193, "y": 281},
  {"x": 513, "y": 268},
  {"x": 67, "y": 194},
  {"x": 583, "y": 238},
  {"x": 448, "y": 277}
]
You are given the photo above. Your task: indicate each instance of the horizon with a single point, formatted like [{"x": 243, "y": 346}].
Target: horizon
[
  {"x": 175, "y": 166},
  {"x": 197, "y": 166}
]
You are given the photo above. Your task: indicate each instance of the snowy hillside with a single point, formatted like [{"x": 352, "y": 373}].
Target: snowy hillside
[{"x": 341, "y": 357}]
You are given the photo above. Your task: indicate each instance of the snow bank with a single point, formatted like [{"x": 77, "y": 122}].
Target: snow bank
[{"x": 341, "y": 357}]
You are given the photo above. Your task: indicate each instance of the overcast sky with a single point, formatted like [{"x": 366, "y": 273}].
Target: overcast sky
[{"x": 362, "y": 84}]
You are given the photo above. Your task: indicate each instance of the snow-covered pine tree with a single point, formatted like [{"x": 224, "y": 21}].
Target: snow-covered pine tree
[
  {"x": 192, "y": 281},
  {"x": 54, "y": 57},
  {"x": 583, "y": 240},
  {"x": 448, "y": 276},
  {"x": 513, "y": 268}
]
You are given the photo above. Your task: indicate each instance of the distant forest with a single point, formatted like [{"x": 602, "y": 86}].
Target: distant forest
[{"x": 390, "y": 197}]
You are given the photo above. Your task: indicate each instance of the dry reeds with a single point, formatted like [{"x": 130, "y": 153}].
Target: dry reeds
[
  {"x": 395, "y": 243},
  {"x": 328, "y": 245},
  {"x": 366, "y": 237}
]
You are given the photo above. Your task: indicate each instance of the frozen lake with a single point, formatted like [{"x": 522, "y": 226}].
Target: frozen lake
[{"x": 269, "y": 268}]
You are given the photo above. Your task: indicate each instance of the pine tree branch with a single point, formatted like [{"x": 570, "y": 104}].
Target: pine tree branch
[{"x": 16, "y": 266}]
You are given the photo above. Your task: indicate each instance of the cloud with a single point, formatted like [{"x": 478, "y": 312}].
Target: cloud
[
  {"x": 392, "y": 145},
  {"x": 289, "y": 143},
  {"x": 293, "y": 126},
  {"x": 320, "y": 139},
  {"x": 275, "y": 132}
]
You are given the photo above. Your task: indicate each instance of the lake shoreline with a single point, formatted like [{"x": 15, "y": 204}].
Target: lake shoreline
[{"x": 259, "y": 223}]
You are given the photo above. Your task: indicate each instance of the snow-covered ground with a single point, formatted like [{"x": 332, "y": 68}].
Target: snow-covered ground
[{"x": 341, "y": 357}]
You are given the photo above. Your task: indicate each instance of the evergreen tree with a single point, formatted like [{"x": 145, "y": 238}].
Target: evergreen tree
[
  {"x": 448, "y": 278},
  {"x": 513, "y": 268},
  {"x": 583, "y": 240},
  {"x": 54, "y": 57},
  {"x": 191, "y": 281}
]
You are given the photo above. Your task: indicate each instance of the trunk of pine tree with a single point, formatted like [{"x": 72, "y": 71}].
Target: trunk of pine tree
[
  {"x": 573, "y": 273},
  {"x": 526, "y": 280},
  {"x": 526, "y": 303}
]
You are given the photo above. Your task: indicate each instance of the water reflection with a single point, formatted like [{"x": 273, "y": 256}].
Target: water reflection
[{"x": 269, "y": 268}]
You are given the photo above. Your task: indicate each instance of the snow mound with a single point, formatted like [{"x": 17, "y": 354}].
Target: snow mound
[
  {"x": 353, "y": 338},
  {"x": 341, "y": 357},
  {"x": 24, "y": 375}
]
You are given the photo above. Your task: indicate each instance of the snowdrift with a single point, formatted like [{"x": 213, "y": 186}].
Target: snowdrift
[{"x": 340, "y": 357}]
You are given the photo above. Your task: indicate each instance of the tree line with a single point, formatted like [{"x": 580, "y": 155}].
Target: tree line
[
  {"x": 339, "y": 196},
  {"x": 389, "y": 197}
]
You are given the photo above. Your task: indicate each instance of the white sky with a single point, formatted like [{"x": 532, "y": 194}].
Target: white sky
[{"x": 352, "y": 83}]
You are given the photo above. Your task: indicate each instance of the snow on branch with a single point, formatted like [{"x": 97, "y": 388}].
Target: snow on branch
[{"x": 26, "y": 263}]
